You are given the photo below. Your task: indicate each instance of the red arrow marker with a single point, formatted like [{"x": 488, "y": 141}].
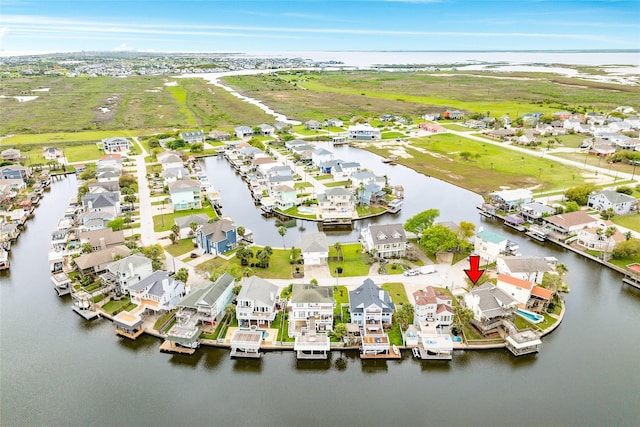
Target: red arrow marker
[{"x": 474, "y": 272}]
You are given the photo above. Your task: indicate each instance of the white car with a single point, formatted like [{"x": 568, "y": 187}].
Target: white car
[{"x": 411, "y": 273}]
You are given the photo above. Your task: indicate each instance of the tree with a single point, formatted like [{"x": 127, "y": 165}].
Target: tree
[
  {"x": 155, "y": 253},
  {"x": 175, "y": 229},
  {"x": 579, "y": 194},
  {"x": 172, "y": 236},
  {"x": 420, "y": 222},
  {"x": 609, "y": 233},
  {"x": 404, "y": 316},
  {"x": 244, "y": 254},
  {"x": 629, "y": 248},
  {"x": 294, "y": 255},
  {"x": 466, "y": 230},
  {"x": 263, "y": 258},
  {"x": 282, "y": 231},
  {"x": 338, "y": 247},
  {"x": 193, "y": 226},
  {"x": 86, "y": 248},
  {"x": 607, "y": 213},
  {"x": 130, "y": 198},
  {"x": 240, "y": 231},
  {"x": 572, "y": 207},
  {"x": 89, "y": 172},
  {"x": 116, "y": 224},
  {"x": 182, "y": 275},
  {"x": 128, "y": 218},
  {"x": 339, "y": 331},
  {"x": 230, "y": 312},
  {"x": 438, "y": 238},
  {"x": 462, "y": 316},
  {"x": 624, "y": 189},
  {"x": 553, "y": 282}
]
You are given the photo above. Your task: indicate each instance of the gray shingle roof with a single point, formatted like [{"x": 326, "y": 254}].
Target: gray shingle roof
[
  {"x": 125, "y": 264},
  {"x": 387, "y": 233},
  {"x": 307, "y": 293},
  {"x": 254, "y": 288},
  {"x": 199, "y": 219},
  {"x": 215, "y": 231},
  {"x": 526, "y": 264},
  {"x": 316, "y": 242},
  {"x": 615, "y": 197},
  {"x": 208, "y": 293},
  {"x": 492, "y": 300},
  {"x": 369, "y": 294}
]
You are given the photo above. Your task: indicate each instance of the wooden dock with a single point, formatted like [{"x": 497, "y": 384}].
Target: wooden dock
[
  {"x": 390, "y": 355},
  {"x": 171, "y": 347},
  {"x": 126, "y": 334},
  {"x": 631, "y": 281},
  {"x": 86, "y": 314}
]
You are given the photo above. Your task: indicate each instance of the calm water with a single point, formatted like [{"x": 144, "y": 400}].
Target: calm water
[{"x": 56, "y": 369}]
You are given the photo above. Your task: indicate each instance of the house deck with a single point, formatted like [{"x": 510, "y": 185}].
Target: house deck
[
  {"x": 427, "y": 355},
  {"x": 631, "y": 281},
  {"x": 126, "y": 334},
  {"x": 87, "y": 314},
  {"x": 171, "y": 347},
  {"x": 390, "y": 355}
]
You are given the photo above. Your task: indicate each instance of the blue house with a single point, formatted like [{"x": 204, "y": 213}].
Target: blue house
[
  {"x": 14, "y": 172},
  {"x": 217, "y": 238}
]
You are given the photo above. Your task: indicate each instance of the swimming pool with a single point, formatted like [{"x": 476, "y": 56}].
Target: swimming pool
[
  {"x": 531, "y": 317},
  {"x": 456, "y": 339}
]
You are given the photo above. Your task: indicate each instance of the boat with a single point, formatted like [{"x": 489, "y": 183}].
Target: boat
[
  {"x": 512, "y": 247},
  {"x": 4, "y": 259},
  {"x": 395, "y": 349},
  {"x": 416, "y": 352}
]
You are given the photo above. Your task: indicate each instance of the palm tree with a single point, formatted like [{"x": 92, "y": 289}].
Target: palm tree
[
  {"x": 229, "y": 312},
  {"x": 609, "y": 233},
  {"x": 338, "y": 247},
  {"x": 175, "y": 229},
  {"x": 241, "y": 231},
  {"x": 173, "y": 238},
  {"x": 193, "y": 226},
  {"x": 282, "y": 230}
]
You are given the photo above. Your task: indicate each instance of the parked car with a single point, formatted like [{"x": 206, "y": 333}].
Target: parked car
[{"x": 411, "y": 273}]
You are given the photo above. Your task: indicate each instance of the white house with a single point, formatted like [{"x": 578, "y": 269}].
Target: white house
[
  {"x": 256, "y": 302},
  {"x": 336, "y": 202},
  {"x": 363, "y": 132},
  {"x": 128, "y": 271},
  {"x": 621, "y": 203},
  {"x": 388, "y": 240},
  {"x": 169, "y": 160},
  {"x": 490, "y": 305},
  {"x": 193, "y": 137},
  {"x": 489, "y": 245},
  {"x": 595, "y": 239},
  {"x": 206, "y": 303},
  {"x": 509, "y": 200},
  {"x": 432, "y": 306},
  {"x": 320, "y": 155},
  {"x": 571, "y": 222},
  {"x": 519, "y": 289},
  {"x": 159, "y": 290},
  {"x": 115, "y": 145},
  {"x": 311, "y": 309},
  {"x": 529, "y": 268},
  {"x": 315, "y": 249},
  {"x": 243, "y": 131},
  {"x": 185, "y": 194},
  {"x": 266, "y": 130}
]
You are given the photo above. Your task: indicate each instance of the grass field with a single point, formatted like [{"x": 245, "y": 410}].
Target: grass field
[
  {"x": 354, "y": 263},
  {"x": 164, "y": 222},
  {"x": 180, "y": 248},
  {"x": 489, "y": 166},
  {"x": 344, "y": 94},
  {"x": 396, "y": 292},
  {"x": 632, "y": 222},
  {"x": 279, "y": 266},
  {"x": 180, "y": 95}
]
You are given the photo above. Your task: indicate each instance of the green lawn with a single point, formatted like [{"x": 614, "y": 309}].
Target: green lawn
[
  {"x": 393, "y": 135},
  {"x": 341, "y": 296},
  {"x": 490, "y": 166},
  {"x": 458, "y": 128},
  {"x": 368, "y": 210},
  {"x": 180, "y": 248},
  {"x": 300, "y": 129},
  {"x": 302, "y": 184},
  {"x": 279, "y": 266},
  {"x": 631, "y": 222},
  {"x": 293, "y": 211},
  {"x": 114, "y": 307},
  {"x": 396, "y": 292},
  {"x": 354, "y": 263},
  {"x": 56, "y": 138},
  {"x": 180, "y": 95},
  {"x": 165, "y": 221},
  {"x": 323, "y": 176},
  {"x": 395, "y": 335},
  {"x": 338, "y": 184}
]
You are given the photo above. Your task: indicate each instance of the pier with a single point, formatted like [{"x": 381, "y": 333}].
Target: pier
[{"x": 171, "y": 347}]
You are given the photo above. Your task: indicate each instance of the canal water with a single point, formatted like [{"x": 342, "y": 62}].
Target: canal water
[{"x": 57, "y": 369}]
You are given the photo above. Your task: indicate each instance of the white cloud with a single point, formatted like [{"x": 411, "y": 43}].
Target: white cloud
[{"x": 124, "y": 48}]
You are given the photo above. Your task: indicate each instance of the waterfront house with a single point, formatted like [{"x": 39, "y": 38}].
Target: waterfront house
[
  {"x": 364, "y": 177},
  {"x": 320, "y": 156},
  {"x": 490, "y": 306},
  {"x": 432, "y": 306},
  {"x": 218, "y": 135},
  {"x": 370, "y": 194},
  {"x": 14, "y": 172},
  {"x": 185, "y": 194},
  {"x": 243, "y": 132},
  {"x": 95, "y": 263},
  {"x": 193, "y": 137},
  {"x": 217, "y": 237},
  {"x": 101, "y": 187},
  {"x": 371, "y": 309},
  {"x": 593, "y": 238},
  {"x": 101, "y": 239},
  {"x": 278, "y": 180},
  {"x": 540, "y": 299},
  {"x": 311, "y": 309},
  {"x": 107, "y": 202},
  {"x": 108, "y": 174},
  {"x": 266, "y": 130},
  {"x": 335, "y": 203},
  {"x": 529, "y": 268},
  {"x": 363, "y": 132},
  {"x": 388, "y": 240},
  {"x": 570, "y": 223},
  {"x": 489, "y": 245},
  {"x": 115, "y": 144},
  {"x": 11, "y": 154},
  {"x": 281, "y": 126},
  {"x": 264, "y": 164},
  {"x": 621, "y": 203},
  {"x": 285, "y": 196},
  {"x": 174, "y": 174},
  {"x": 159, "y": 290},
  {"x": 369, "y": 303},
  {"x": 535, "y": 211},
  {"x": 127, "y": 271},
  {"x": 52, "y": 153},
  {"x": 206, "y": 304},
  {"x": 169, "y": 160},
  {"x": 312, "y": 125},
  {"x": 519, "y": 289},
  {"x": 333, "y": 122},
  {"x": 295, "y": 143},
  {"x": 315, "y": 249},
  {"x": 510, "y": 200},
  {"x": 345, "y": 170},
  {"x": 185, "y": 222},
  {"x": 91, "y": 221},
  {"x": 256, "y": 302}
]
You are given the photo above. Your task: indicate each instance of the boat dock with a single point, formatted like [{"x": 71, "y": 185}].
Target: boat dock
[
  {"x": 631, "y": 281},
  {"x": 86, "y": 314},
  {"x": 171, "y": 347},
  {"x": 390, "y": 355}
]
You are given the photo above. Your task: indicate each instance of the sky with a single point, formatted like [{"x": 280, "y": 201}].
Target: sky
[{"x": 310, "y": 25}]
